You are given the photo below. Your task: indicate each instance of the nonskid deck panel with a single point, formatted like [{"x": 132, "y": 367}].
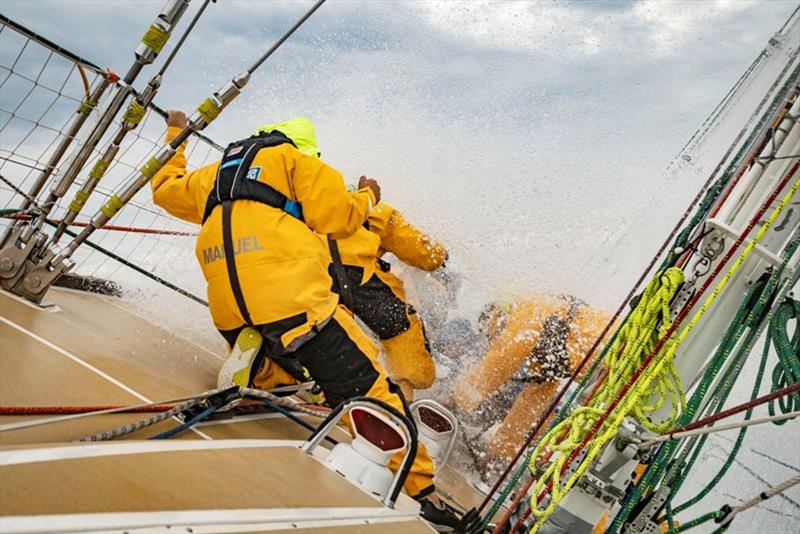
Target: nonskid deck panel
[{"x": 92, "y": 351}]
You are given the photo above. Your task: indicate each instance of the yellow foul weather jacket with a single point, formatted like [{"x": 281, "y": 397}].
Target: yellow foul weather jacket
[
  {"x": 281, "y": 262},
  {"x": 388, "y": 231},
  {"x": 514, "y": 335}
]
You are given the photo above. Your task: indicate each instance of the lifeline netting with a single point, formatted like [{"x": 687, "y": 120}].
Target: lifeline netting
[{"x": 41, "y": 86}]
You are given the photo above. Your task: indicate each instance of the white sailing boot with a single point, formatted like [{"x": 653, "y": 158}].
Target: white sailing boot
[{"x": 237, "y": 366}]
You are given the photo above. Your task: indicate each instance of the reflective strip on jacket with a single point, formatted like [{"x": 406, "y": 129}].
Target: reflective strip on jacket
[{"x": 281, "y": 262}]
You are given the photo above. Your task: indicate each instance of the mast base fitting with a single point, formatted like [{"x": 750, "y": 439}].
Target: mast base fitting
[
  {"x": 39, "y": 276},
  {"x": 15, "y": 254}
]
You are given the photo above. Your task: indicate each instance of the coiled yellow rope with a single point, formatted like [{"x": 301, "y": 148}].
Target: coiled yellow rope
[
  {"x": 583, "y": 419},
  {"x": 647, "y": 323}
]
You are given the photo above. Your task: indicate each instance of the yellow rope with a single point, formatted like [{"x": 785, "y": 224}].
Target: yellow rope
[
  {"x": 582, "y": 420},
  {"x": 648, "y": 321}
]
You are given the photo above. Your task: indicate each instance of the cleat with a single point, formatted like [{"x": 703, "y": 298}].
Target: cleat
[{"x": 236, "y": 368}]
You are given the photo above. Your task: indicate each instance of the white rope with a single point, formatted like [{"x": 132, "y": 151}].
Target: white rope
[
  {"x": 710, "y": 430},
  {"x": 139, "y": 425},
  {"x": 761, "y": 497}
]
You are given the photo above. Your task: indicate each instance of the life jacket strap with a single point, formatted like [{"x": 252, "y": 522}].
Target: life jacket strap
[
  {"x": 230, "y": 261},
  {"x": 345, "y": 291},
  {"x": 235, "y": 182}
]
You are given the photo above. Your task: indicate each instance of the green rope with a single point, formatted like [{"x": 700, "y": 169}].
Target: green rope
[
  {"x": 747, "y": 317},
  {"x": 750, "y": 315},
  {"x": 787, "y": 370},
  {"x": 739, "y": 438},
  {"x": 705, "y": 518}
]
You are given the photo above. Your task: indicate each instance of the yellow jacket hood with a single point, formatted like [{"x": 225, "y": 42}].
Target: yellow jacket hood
[{"x": 300, "y": 130}]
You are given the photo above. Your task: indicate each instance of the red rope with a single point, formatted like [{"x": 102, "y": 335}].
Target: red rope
[
  {"x": 680, "y": 317},
  {"x": 562, "y": 391},
  {"x": 69, "y": 410},
  {"x": 112, "y": 227},
  {"x": 711, "y": 419}
]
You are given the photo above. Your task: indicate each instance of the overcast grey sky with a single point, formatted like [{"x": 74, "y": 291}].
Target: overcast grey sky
[{"x": 520, "y": 133}]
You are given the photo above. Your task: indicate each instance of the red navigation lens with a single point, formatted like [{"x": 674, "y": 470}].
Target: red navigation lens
[{"x": 375, "y": 430}]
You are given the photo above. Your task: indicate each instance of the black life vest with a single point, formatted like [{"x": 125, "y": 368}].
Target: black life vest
[{"x": 235, "y": 181}]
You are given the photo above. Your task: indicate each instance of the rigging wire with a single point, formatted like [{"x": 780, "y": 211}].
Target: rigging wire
[
  {"x": 725, "y": 515},
  {"x": 285, "y": 36},
  {"x": 711, "y": 194},
  {"x": 14, "y": 215},
  {"x": 674, "y": 436}
]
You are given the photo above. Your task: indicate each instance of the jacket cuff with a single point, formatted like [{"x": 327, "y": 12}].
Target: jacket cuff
[
  {"x": 172, "y": 133},
  {"x": 373, "y": 201}
]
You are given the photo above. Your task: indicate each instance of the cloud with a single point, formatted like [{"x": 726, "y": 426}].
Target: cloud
[{"x": 539, "y": 128}]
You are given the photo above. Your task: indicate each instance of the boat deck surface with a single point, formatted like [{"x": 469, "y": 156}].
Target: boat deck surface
[{"x": 62, "y": 357}]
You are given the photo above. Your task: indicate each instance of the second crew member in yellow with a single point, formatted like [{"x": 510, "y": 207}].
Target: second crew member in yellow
[
  {"x": 379, "y": 297},
  {"x": 530, "y": 346},
  {"x": 261, "y": 208}
]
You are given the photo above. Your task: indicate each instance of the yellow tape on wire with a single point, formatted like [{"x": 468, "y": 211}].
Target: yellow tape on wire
[
  {"x": 86, "y": 107},
  {"x": 77, "y": 203},
  {"x": 112, "y": 206},
  {"x": 99, "y": 169},
  {"x": 150, "y": 168},
  {"x": 135, "y": 113},
  {"x": 209, "y": 110},
  {"x": 155, "y": 38}
]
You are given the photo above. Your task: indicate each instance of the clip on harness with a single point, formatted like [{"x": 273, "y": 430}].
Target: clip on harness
[{"x": 232, "y": 183}]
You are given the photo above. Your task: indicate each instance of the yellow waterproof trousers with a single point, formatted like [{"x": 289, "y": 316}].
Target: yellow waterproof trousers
[
  {"x": 343, "y": 361},
  {"x": 407, "y": 354}
]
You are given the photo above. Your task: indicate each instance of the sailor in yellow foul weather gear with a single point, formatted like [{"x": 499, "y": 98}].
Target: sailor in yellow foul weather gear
[
  {"x": 269, "y": 291},
  {"x": 532, "y": 345},
  {"x": 378, "y": 295}
]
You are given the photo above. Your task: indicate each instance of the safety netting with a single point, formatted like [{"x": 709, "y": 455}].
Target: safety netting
[{"x": 41, "y": 86}]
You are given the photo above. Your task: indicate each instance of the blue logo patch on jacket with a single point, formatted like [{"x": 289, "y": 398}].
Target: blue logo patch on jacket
[{"x": 253, "y": 173}]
